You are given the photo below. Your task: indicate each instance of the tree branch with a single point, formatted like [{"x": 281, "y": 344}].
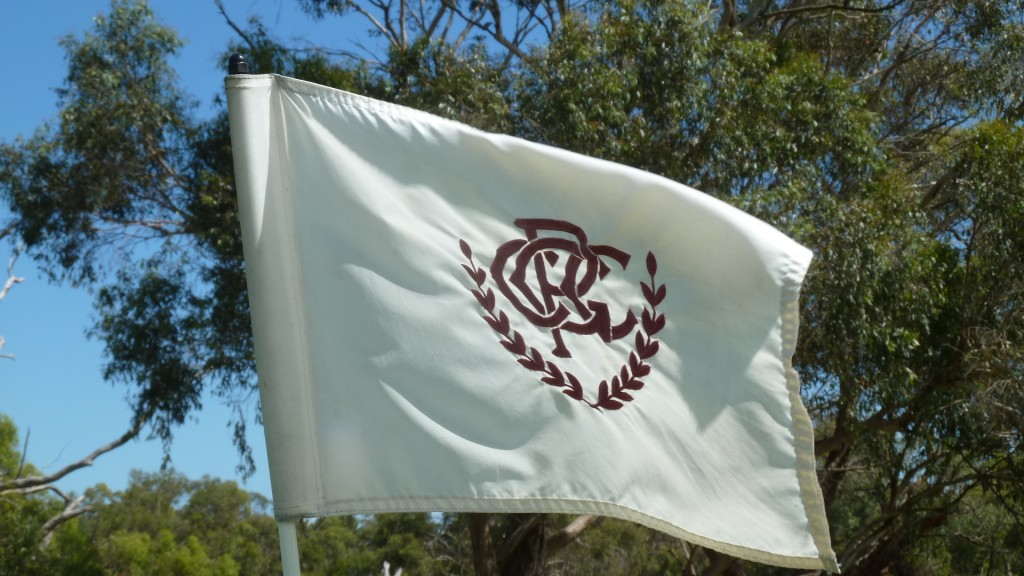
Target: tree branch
[
  {"x": 428, "y": 30},
  {"x": 844, "y": 7},
  {"x": 877, "y": 422},
  {"x": 385, "y": 30},
  {"x": 238, "y": 30},
  {"x": 496, "y": 33},
  {"x": 36, "y": 483},
  {"x": 73, "y": 509},
  {"x": 11, "y": 278},
  {"x": 517, "y": 537},
  {"x": 569, "y": 533}
]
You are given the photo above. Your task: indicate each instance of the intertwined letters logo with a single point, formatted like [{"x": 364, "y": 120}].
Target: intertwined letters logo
[{"x": 546, "y": 277}]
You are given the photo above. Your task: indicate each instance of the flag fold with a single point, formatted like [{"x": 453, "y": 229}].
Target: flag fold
[{"x": 451, "y": 320}]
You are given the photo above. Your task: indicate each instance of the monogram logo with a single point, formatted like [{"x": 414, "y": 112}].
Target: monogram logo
[{"x": 546, "y": 277}]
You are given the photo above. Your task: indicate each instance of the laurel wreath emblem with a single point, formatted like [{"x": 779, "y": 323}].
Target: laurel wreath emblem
[{"x": 612, "y": 394}]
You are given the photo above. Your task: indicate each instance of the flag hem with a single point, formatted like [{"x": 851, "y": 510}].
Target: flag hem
[
  {"x": 542, "y": 505},
  {"x": 803, "y": 428}
]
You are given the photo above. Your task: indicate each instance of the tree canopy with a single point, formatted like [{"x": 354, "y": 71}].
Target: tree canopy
[{"x": 886, "y": 136}]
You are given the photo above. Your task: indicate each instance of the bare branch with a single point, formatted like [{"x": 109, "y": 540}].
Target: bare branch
[
  {"x": 385, "y": 30},
  {"x": 24, "y": 452},
  {"x": 11, "y": 278},
  {"x": 71, "y": 510},
  {"x": 238, "y": 30},
  {"x": 428, "y": 30},
  {"x": 829, "y": 7},
  {"x": 471, "y": 23},
  {"x": 493, "y": 27},
  {"x": 516, "y": 538},
  {"x": 401, "y": 22},
  {"x": 903, "y": 55},
  {"x": 33, "y": 483},
  {"x": 385, "y": 8},
  {"x": 569, "y": 533}
]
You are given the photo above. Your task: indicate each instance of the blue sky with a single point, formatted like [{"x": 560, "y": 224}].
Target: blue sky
[{"x": 54, "y": 389}]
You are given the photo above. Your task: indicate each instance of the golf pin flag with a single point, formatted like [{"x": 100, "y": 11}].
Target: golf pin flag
[{"x": 451, "y": 320}]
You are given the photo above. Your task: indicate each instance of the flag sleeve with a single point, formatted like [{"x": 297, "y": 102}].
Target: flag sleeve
[{"x": 273, "y": 278}]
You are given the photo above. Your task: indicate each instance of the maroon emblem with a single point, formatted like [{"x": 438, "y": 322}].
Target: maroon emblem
[{"x": 526, "y": 270}]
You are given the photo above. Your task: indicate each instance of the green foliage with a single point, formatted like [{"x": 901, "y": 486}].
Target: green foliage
[
  {"x": 466, "y": 85},
  {"x": 127, "y": 170},
  {"x": 10, "y": 458},
  {"x": 20, "y": 516},
  {"x": 619, "y": 548},
  {"x": 347, "y": 545},
  {"x": 120, "y": 107}
]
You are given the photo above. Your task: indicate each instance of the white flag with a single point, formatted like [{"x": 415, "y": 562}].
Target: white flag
[{"x": 451, "y": 320}]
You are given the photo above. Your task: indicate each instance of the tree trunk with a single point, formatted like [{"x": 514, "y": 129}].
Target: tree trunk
[
  {"x": 480, "y": 538},
  {"x": 525, "y": 553}
]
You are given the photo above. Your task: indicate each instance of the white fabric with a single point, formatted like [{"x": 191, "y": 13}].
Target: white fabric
[{"x": 368, "y": 226}]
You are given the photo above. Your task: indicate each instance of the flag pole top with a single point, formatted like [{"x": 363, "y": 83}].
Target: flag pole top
[{"x": 237, "y": 65}]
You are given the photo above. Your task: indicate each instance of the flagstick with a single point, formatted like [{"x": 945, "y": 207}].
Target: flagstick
[
  {"x": 289, "y": 548},
  {"x": 285, "y": 530}
]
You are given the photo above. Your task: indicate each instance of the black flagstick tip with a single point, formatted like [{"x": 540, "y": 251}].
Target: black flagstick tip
[{"x": 237, "y": 65}]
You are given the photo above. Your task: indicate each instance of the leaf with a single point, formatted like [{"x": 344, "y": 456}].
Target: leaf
[
  {"x": 526, "y": 363},
  {"x": 623, "y": 395},
  {"x": 482, "y": 299},
  {"x": 651, "y": 349},
  {"x": 537, "y": 358},
  {"x": 660, "y": 296},
  {"x": 465, "y": 249},
  {"x": 648, "y": 350},
  {"x": 515, "y": 345},
  {"x": 479, "y": 275},
  {"x": 520, "y": 344},
  {"x": 602, "y": 391},
  {"x": 641, "y": 370},
  {"x": 556, "y": 371},
  {"x": 647, "y": 321},
  {"x": 493, "y": 322},
  {"x": 555, "y": 378},
  {"x": 610, "y": 404},
  {"x": 575, "y": 394},
  {"x": 659, "y": 323},
  {"x": 652, "y": 264},
  {"x": 576, "y": 386},
  {"x": 534, "y": 361},
  {"x": 648, "y": 293}
]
